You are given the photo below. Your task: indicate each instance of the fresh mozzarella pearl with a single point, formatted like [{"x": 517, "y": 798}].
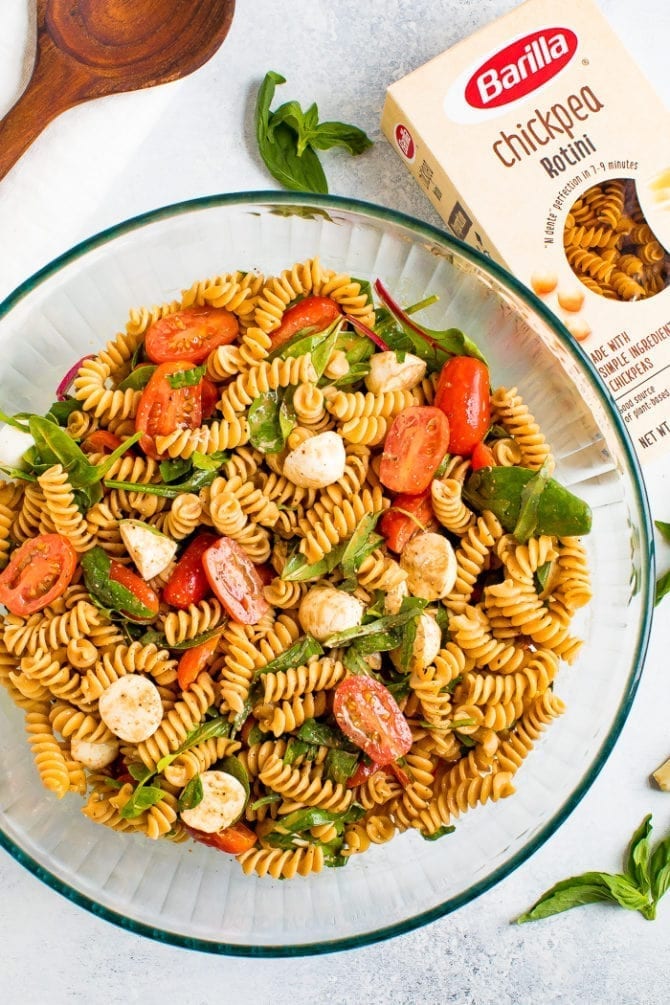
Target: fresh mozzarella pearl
[
  {"x": 426, "y": 644},
  {"x": 325, "y": 611},
  {"x": 430, "y": 563},
  {"x": 131, "y": 708},
  {"x": 221, "y": 805},
  {"x": 317, "y": 462},
  {"x": 94, "y": 755},
  {"x": 388, "y": 373}
]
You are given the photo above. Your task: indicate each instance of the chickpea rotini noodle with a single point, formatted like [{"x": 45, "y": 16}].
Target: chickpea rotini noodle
[{"x": 474, "y": 677}]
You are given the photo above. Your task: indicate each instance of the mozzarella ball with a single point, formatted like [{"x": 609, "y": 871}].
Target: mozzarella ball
[
  {"x": 317, "y": 462},
  {"x": 94, "y": 755},
  {"x": 430, "y": 563},
  {"x": 388, "y": 373},
  {"x": 131, "y": 708},
  {"x": 324, "y": 611},
  {"x": 426, "y": 644},
  {"x": 222, "y": 803}
]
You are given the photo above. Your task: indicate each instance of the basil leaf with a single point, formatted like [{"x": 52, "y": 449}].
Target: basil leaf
[
  {"x": 274, "y": 797},
  {"x": 589, "y": 888},
  {"x": 659, "y": 869},
  {"x": 530, "y": 503},
  {"x": 542, "y": 574},
  {"x": 234, "y": 767},
  {"x": 138, "y": 378},
  {"x": 170, "y": 471},
  {"x": 209, "y": 462},
  {"x": 256, "y": 735},
  {"x": 304, "y": 342},
  {"x": 278, "y": 146},
  {"x": 300, "y": 748},
  {"x": 440, "y": 832},
  {"x": 205, "y": 731},
  {"x": 192, "y": 794},
  {"x": 664, "y": 529},
  {"x": 410, "y": 607},
  {"x": 17, "y": 473},
  {"x": 186, "y": 378},
  {"x": 321, "y": 354},
  {"x": 140, "y": 772},
  {"x": 56, "y": 446},
  {"x": 340, "y": 765},
  {"x": 107, "y": 592},
  {"x": 662, "y": 587},
  {"x": 158, "y": 639},
  {"x": 297, "y": 570},
  {"x": 15, "y": 422},
  {"x": 320, "y": 136},
  {"x": 199, "y": 480},
  {"x": 639, "y": 851},
  {"x": 142, "y": 799},
  {"x": 358, "y": 546},
  {"x": 407, "y": 645},
  {"x": 268, "y": 429},
  {"x": 291, "y": 826},
  {"x": 296, "y": 656}
]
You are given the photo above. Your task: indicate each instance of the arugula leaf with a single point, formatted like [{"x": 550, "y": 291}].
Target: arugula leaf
[
  {"x": 296, "y": 656},
  {"x": 192, "y": 794},
  {"x": 186, "y": 378},
  {"x": 205, "y": 731},
  {"x": 106, "y": 592},
  {"x": 279, "y": 149}
]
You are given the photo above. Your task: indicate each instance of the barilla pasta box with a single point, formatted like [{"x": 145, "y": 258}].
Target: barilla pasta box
[{"x": 541, "y": 144}]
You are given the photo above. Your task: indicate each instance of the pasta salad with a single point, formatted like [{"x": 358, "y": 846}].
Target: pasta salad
[{"x": 286, "y": 574}]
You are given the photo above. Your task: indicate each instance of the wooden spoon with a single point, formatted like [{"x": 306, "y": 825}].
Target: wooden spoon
[{"x": 89, "y": 48}]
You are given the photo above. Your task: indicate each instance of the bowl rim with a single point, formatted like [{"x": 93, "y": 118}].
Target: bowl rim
[{"x": 303, "y": 201}]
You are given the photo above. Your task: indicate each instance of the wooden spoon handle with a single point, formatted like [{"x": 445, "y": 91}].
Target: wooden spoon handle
[{"x": 52, "y": 89}]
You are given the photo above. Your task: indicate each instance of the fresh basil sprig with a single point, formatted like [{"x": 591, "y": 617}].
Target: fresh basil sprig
[
  {"x": 144, "y": 796},
  {"x": 271, "y": 418},
  {"x": 296, "y": 656},
  {"x": 106, "y": 592},
  {"x": 645, "y": 879},
  {"x": 289, "y": 138}
]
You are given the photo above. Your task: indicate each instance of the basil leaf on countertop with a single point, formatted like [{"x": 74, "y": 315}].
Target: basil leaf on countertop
[{"x": 279, "y": 149}]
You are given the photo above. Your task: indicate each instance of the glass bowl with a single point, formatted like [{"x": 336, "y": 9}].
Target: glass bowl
[{"x": 194, "y": 896}]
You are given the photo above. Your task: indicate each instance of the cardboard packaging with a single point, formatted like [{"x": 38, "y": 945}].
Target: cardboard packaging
[{"x": 540, "y": 142}]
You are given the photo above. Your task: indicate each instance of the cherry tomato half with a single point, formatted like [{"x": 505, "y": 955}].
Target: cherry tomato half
[
  {"x": 100, "y": 441},
  {"x": 234, "y": 839},
  {"x": 368, "y": 714},
  {"x": 194, "y": 660},
  {"x": 188, "y": 583},
  {"x": 141, "y": 591},
  {"x": 463, "y": 395},
  {"x": 364, "y": 770},
  {"x": 482, "y": 457},
  {"x": 312, "y": 312},
  {"x": 38, "y": 573},
  {"x": 163, "y": 408},
  {"x": 209, "y": 396},
  {"x": 414, "y": 448},
  {"x": 407, "y": 516},
  {"x": 235, "y": 581},
  {"x": 190, "y": 334}
]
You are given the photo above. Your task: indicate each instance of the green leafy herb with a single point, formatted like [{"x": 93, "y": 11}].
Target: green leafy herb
[
  {"x": 233, "y": 766},
  {"x": 152, "y": 636},
  {"x": 138, "y": 378},
  {"x": 199, "y": 480},
  {"x": 143, "y": 797},
  {"x": 289, "y": 137},
  {"x": 273, "y": 797},
  {"x": 323, "y": 735},
  {"x": 662, "y": 587},
  {"x": 340, "y": 765},
  {"x": 639, "y": 888},
  {"x": 529, "y": 507},
  {"x": 106, "y": 592},
  {"x": 293, "y": 825},
  {"x": 296, "y": 656},
  {"x": 298, "y": 570},
  {"x": 300, "y": 749},
  {"x": 171, "y": 471},
  {"x": 53, "y": 445},
  {"x": 205, "y": 731},
  {"x": 61, "y": 411},
  {"x": 271, "y": 418},
  {"x": 664, "y": 529},
  {"x": 440, "y": 832},
  {"x": 13, "y": 472},
  {"x": 209, "y": 462},
  {"x": 186, "y": 378},
  {"x": 191, "y": 795},
  {"x": 360, "y": 544},
  {"x": 411, "y": 606}
]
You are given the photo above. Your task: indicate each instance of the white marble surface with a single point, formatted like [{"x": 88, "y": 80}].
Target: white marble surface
[{"x": 110, "y": 159}]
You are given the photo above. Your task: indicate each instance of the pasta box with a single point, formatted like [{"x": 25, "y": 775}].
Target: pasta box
[{"x": 542, "y": 144}]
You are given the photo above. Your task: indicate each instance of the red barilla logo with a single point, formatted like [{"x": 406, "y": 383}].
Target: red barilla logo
[
  {"x": 403, "y": 138},
  {"x": 520, "y": 67}
]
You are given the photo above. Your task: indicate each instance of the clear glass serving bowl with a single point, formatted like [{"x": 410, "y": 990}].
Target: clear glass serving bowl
[{"x": 197, "y": 897}]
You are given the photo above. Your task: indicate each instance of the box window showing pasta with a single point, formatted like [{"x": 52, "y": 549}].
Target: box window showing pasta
[{"x": 537, "y": 153}]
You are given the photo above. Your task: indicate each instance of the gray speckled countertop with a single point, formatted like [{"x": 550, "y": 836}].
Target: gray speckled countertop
[{"x": 111, "y": 159}]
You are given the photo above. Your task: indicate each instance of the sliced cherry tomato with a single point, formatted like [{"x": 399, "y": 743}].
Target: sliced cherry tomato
[
  {"x": 482, "y": 457},
  {"x": 414, "y": 448},
  {"x": 38, "y": 573},
  {"x": 364, "y": 770},
  {"x": 209, "y": 395},
  {"x": 234, "y": 839},
  {"x": 163, "y": 408},
  {"x": 463, "y": 394},
  {"x": 235, "y": 581},
  {"x": 312, "y": 312},
  {"x": 368, "y": 714},
  {"x": 190, "y": 334},
  {"x": 100, "y": 441},
  {"x": 188, "y": 583},
  {"x": 140, "y": 590},
  {"x": 407, "y": 516},
  {"x": 194, "y": 660}
]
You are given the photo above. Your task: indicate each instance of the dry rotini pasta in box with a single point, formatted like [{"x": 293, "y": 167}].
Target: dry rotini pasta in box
[
  {"x": 542, "y": 144},
  {"x": 285, "y": 574}
]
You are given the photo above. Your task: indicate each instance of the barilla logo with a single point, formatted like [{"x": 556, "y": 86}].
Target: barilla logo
[{"x": 521, "y": 67}]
